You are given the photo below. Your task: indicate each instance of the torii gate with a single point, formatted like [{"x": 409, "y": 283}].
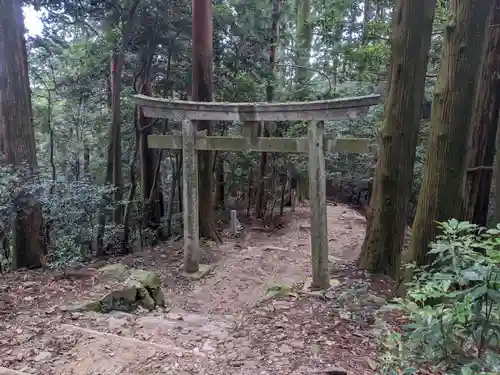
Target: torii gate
[{"x": 251, "y": 114}]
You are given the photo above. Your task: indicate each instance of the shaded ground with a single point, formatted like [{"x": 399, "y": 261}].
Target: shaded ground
[{"x": 219, "y": 325}]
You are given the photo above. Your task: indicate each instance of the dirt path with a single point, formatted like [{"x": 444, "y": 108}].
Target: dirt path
[
  {"x": 260, "y": 260},
  {"x": 217, "y": 325}
]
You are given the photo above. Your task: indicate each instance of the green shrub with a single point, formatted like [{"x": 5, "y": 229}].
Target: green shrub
[{"x": 452, "y": 307}]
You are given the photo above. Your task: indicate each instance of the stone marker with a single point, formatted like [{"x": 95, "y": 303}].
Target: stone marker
[{"x": 234, "y": 222}]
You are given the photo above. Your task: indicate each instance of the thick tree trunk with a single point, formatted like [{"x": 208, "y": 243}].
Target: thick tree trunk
[
  {"x": 386, "y": 215},
  {"x": 441, "y": 195},
  {"x": 484, "y": 123},
  {"x": 113, "y": 165},
  {"x": 116, "y": 74},
  {"x": 149, "y": 157},
  {"x": 19, "y": 143},
  {"x": 275, "y": 28},
  {"x": 117, "y": 62},
  {"x": 133, "y": 186},
  {"x": 202, "y": 91},
  {"x": 304, "y": 41},
  {"x": 497, "y": 179}
]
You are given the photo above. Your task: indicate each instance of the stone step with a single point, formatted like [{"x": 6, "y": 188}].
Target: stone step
[
  {"x": 97, "y": 352},
  {"x": 185, "y": 327},
  {"x": 8, "y": 371},
  {"x": 91, "y": 333},
  {"x": 177, "y": 327}
]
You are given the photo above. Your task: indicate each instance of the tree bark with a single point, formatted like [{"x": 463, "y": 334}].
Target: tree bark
[
  {"x": 441, "y": 195},
  {"x": 367, "y": 16},
  {"x": 113, "y": 170},
  {"x": 304, "y": 41},
  {"x": 202, "y": 91},
  {"x": 133, "y": 187},
  {"x": 116, "y": 73},
  {"x": 19, "y": 143},
  {"x": 497, "y": 179},
  {"x": 86, "y": 163},
  {"x": 117, "y": 62},
  {"x": 149, "y": 157},
  {"x": 271, "y": 82},
  {"x": 386, "y": 215},
  {"x": 484, "y": 123}
]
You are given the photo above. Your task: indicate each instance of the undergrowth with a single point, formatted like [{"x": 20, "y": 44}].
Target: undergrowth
[{"x": 452, "y": 307}]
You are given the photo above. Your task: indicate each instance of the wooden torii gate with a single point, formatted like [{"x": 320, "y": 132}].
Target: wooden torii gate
[{"x": 315, "y": 145}]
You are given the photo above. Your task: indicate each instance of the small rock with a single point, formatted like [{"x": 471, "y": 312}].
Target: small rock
[
  {"x": 43, "y": 356},
  {"x": 173, "y": 316},
  {"x": 285, "y": 349},
  {"x": 373, "y": 365},
  {"x": 207, "y": 347},
  {"x": 76, "y": 315},
  {"x": 297, "y": 344},
  {"x": 305, "y": 226},
  {"x": 115, "y": 323},
  {"x": 273, "y": 248},
  {"x": 332, "y": 371},
  {"x": 375, "y": 299}
]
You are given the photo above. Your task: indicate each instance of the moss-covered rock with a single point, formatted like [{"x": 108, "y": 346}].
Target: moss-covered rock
[
  {"x": 116, "y": 271},
  {"x": 143, "y": 296},
  {"x": 159, "y": 297},
  {"x": 136, "y": 287},
  {"x": 149, "y": 279},
  {"x": 121, "y": 298},
  {"x": 83, "y": 306}
]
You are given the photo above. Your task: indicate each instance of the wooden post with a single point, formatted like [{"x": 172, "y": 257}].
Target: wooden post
[
  {"x": 317, "y": 196},
  {"x": 190, "y": 197}
]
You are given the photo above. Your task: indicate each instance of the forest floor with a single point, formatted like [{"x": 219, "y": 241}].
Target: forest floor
[{"x": 221, "y": 324}]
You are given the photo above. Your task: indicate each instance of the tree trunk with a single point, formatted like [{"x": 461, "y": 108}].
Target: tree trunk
[
  {"x": 19, "y": 143},
  {"x": 113, "y": 165},
  {"x": 367, "y": 16},
  {"x": 202, "y": 91},
  {"x": 220, "y": 191},
  {"x": 497, "y": 179},
  {"x": 484, "y": 123},
  {"x": 133, "y": 186},
  {"x": 441, "y": 195},
  {"x": 176, "y": 175},
  {"x": 148, "y": 156},
  {"x": 386, "y": 215},
  {"x": 116, "y": 73},
  {"x": 275, "y": 27},
  {"x": 304, "y": 41},
  {"x": 117, "y": 62},
  {"x": 86, "y": 163}
]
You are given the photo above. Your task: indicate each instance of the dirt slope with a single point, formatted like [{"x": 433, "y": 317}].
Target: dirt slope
[{"x": 219, "y": 325}]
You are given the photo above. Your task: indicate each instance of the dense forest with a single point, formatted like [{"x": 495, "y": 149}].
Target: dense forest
[{"x": 78, "y": 181}]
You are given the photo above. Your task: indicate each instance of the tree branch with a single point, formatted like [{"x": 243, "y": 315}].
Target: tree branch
[{"x": 313, "y": 70}]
